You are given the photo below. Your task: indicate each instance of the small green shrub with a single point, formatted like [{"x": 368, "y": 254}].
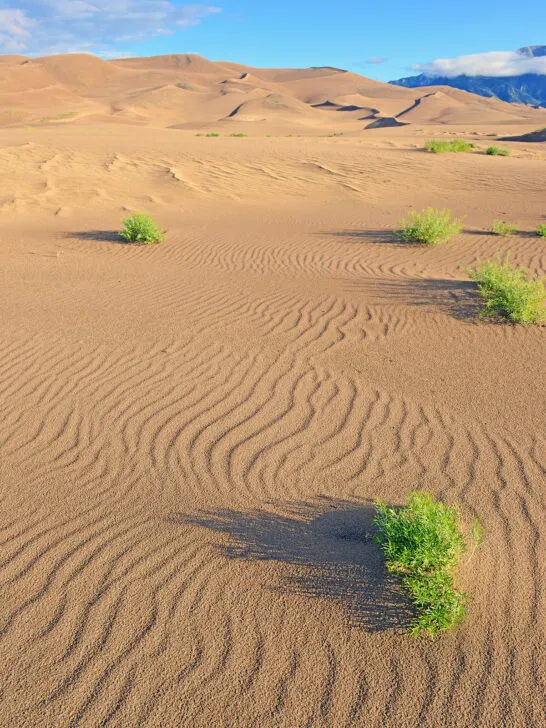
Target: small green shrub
[
  {"x": 429, "y": 227},
  {"x": 512, "y": 293},
  {"x": 199, "y": 135},
  {"x": 141, "y": 228},
  {"x": 239, "y": 135},
  {"x": 541, "y": 230},
  {"x": 423, "y": 542},
  {"x": 501, "y": 227},
  {"x": 497, "y": 151},
  {"x": 457, "y": 145},
  {"x": 212, "y": 134}
]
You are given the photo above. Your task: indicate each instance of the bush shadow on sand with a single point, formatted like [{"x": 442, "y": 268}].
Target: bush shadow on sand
[
  {"x": 103, "y": 236},
  {"x": 379, "y": 236},
  {"x": 328, "y": 543},
  {"x": 460, "y": 299}
]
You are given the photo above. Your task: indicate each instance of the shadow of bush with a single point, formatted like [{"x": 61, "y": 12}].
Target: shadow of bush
[{"x": 330, "y": 546}]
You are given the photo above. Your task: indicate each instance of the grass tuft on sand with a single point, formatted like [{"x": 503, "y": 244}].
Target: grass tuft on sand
[
  {"x": 503, "y": 228},
  {"x": 141, "y": 228},
  {"x": 512, "y": 293},
  {"x": 541, "y": 230},
  {"x": 423, "y": 542},
  {"x": 497, "y": 151},
  {"x": 438, "y": 146},
  {"x": 428, "y": 227}
]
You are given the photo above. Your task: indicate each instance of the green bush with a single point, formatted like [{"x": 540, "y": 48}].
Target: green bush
[
  {"x": 423, "y": 542},
  {"x": 212, "y": 134},
  {"x": 512, "y": 293},
  {"x": 497, "y": 151},
  {"x": 457, "y": 145},
  {"x": 541, "y": 231},
  {"x": 141, "y": 228},
  {"x": 240, "y": 134},
  {"x": 429, "y": 227},
  {"x": 501, "y": 227}
]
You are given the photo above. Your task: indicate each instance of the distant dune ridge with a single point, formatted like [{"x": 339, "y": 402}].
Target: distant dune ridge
[{"x": 188, "y": 91}]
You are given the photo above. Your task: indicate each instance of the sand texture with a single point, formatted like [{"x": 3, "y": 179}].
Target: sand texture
[{"x": 193, "y": 434}]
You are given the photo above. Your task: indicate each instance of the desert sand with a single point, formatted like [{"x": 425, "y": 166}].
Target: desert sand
[{"x": 194, "y": 433}]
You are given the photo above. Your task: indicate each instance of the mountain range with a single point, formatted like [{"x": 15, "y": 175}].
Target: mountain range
[{"x": 528, "y": 88}]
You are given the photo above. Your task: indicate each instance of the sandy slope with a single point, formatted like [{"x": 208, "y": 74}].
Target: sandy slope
[{"x": 193, "y": 434}]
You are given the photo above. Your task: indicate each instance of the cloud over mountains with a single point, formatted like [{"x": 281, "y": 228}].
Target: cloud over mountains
[
  {"x": 494, "y": 63},
  {"x": 105, "y": 26}
]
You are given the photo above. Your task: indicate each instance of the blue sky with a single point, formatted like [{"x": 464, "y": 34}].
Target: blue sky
[{"x": 381, "y": 40}]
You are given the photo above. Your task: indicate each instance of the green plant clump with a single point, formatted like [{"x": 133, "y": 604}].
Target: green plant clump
[
  {"x": 429, "y": 227},
  {"x": 501, "y": 227},
  {"x": 497, "y": 151},
  {"x": 423, "y": 543},
  {"x": 541, "y": 230},
  {"x": 141, "y": 228},
  {"x": 457, "y": 145},
  {"x": 512, "y": 293},
  {"x": 212, "y": 134},
  {"x": 240, "y": 134}
]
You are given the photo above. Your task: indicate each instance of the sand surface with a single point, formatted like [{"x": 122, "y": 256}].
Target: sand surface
[{"x": 193, "y": 433}]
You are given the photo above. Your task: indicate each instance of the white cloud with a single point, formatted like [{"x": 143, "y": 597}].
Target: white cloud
[
  {"x": 15, "y": 28},
  {"x": 375, "y": 60},
  {"x": 193, "y": 14},
  {"x": 495, "y": 63},
  {"x": 37, "y": 27}
]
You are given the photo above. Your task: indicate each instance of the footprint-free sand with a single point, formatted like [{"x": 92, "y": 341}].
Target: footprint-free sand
[{"x": 193, "y": 433}]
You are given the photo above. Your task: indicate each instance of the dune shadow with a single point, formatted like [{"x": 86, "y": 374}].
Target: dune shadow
[
  {"x": 330, "y": 546},
  {"x": 458, "y": 298}
]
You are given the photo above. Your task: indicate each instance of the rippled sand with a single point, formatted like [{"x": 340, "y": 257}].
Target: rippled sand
[{"x": 193, "y": 433}]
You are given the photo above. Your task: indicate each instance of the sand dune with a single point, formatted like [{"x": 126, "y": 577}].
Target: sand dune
[
  {"x": 193, "y": 433},
  {"x": 188, "y": 91},
  {"x": 439, "y": 107}
]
